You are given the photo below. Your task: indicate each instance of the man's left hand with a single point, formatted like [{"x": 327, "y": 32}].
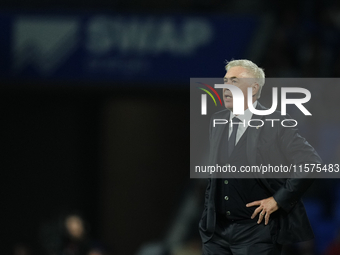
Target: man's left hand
[{"x": 265, "y": 207}]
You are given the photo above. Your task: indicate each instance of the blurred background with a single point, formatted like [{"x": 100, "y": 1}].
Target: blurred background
[{"x": 95, "y": 116}]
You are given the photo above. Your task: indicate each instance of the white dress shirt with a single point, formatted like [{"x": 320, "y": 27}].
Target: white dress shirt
[{"x": 243, "y": 125}]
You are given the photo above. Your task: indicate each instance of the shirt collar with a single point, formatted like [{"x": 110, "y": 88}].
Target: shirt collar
[{"x": 246, "y": 116}]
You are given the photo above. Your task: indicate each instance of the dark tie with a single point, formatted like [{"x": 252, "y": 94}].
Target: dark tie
[{"x": 232, "y": 138}]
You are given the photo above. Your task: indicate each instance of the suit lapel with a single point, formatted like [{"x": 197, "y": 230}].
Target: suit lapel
[
  {"x": 252, "y": 138},
  {"x": 218, "y": 138},
  {"x": 216, "y": 142}
]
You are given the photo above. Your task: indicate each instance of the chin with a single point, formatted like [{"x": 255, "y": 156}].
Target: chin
[{"x": 228, "y": 105}]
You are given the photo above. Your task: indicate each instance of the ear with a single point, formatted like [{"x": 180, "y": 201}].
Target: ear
[{"x": 256, "y": 88}]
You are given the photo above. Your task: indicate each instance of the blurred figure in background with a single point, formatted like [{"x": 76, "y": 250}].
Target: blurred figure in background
[
  {"x": 75, "y": 240},
  {"x": 21, "y": 249},
  {"x": 69, "y": 234}
]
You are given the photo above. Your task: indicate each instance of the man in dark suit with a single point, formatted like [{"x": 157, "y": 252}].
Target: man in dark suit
[{"x": 254, "y": 216}]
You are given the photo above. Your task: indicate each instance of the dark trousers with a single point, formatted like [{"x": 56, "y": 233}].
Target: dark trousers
[{"x": 243, "y": 238}]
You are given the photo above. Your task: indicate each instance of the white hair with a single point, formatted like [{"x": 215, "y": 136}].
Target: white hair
[{"x": 256, "y": 71}]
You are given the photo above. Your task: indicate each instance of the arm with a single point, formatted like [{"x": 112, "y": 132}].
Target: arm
[{"x": 297, "y": 151}]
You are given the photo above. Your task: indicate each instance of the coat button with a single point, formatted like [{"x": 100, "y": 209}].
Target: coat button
[
  {"x": 226, "y": 198},
  {"x": 228, "y": 213},
  {"x": 226, "y": 182}
]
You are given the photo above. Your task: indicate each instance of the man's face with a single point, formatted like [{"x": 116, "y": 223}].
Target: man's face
[{"x": 241, "y": 78}]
